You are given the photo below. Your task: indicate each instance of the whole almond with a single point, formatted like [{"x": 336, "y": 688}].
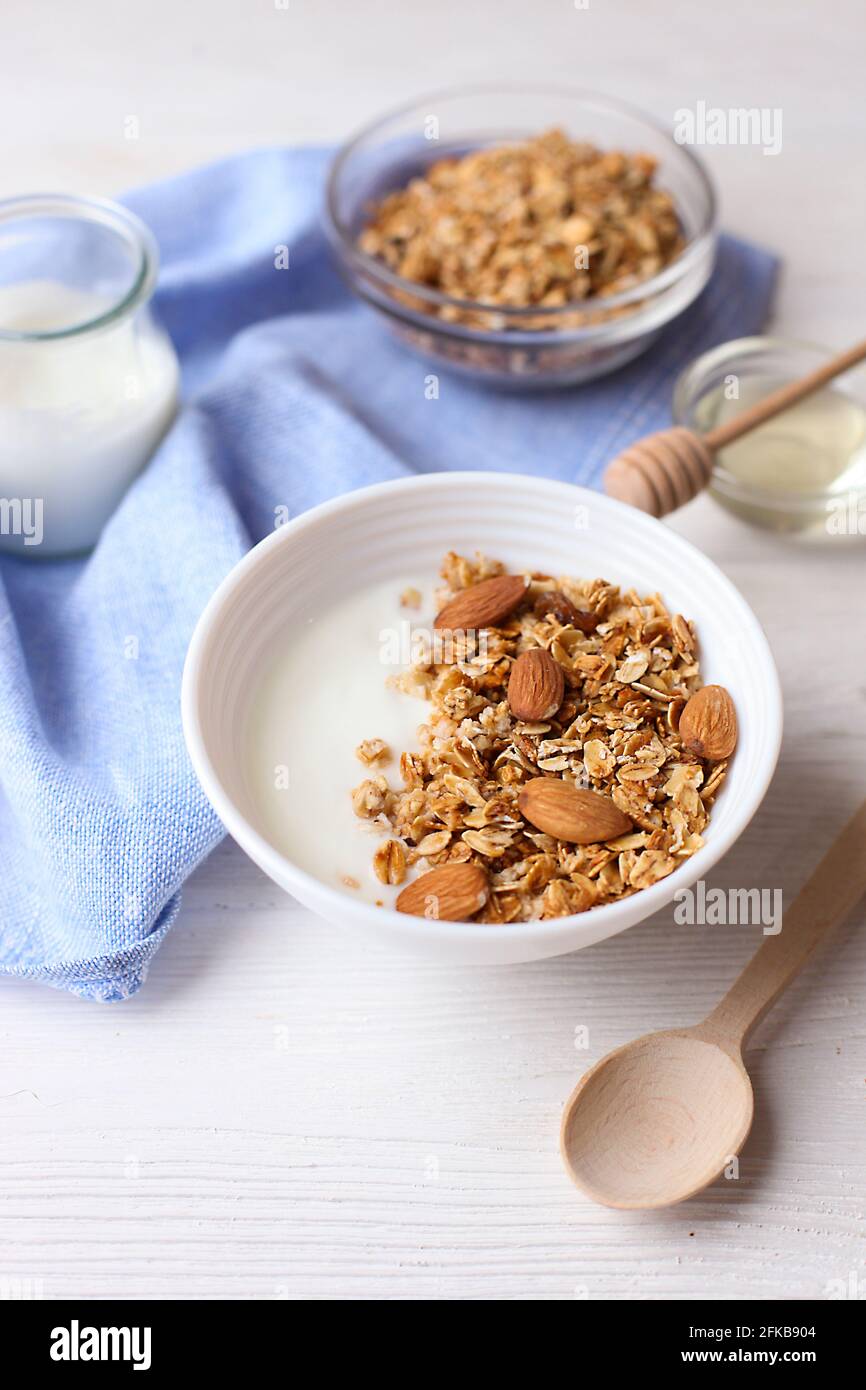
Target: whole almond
[
  {"x": 536, "y": 686},
  {"x": 451, "y": 893},
  {"x": 571, "y": 813},
  {"x": 484, "y": 604},
  {"x": 708, "y": 724}
]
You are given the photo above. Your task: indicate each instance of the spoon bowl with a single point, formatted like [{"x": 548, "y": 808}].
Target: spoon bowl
[{"x": 657, "y": 1120}]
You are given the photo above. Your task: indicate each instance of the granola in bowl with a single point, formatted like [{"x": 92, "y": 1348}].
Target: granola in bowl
[
  {"x": 570, "y": 757},
  {"x": 527, "y": 237},
  {"x": 547, "y": 222}
]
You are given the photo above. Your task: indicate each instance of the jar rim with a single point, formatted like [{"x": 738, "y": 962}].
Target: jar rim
[{"x": 135, "y": 233}]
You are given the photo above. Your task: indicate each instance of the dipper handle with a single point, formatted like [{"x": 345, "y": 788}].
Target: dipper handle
[{"x": 784, "y": 398}]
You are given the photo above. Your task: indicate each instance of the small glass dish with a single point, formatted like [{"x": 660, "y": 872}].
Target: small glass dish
[
  {"x": 517, "y": 352},
  {"x": 804, "y": 471}
]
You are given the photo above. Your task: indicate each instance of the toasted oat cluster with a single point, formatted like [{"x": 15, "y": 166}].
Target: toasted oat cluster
[
  {"x": 548, "y": 222},
  {"x": 597, "y": 796}
]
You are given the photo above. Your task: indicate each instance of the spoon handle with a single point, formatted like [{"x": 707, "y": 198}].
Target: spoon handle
[{"x": 833, "y": 890}]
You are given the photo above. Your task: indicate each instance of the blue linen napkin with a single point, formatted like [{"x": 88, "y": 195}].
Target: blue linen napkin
[{"x": 294, "y": 393}]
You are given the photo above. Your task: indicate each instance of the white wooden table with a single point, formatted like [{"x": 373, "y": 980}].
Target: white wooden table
[{"x": 283, "y": 1111}]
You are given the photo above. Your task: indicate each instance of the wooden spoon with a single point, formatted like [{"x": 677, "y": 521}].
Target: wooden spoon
[
  {"x": 663, "y": 471},
  {"x": 657, "y": 1120}
]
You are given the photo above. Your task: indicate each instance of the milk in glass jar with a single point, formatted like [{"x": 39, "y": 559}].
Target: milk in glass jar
[{"x": 88, "y": 381}]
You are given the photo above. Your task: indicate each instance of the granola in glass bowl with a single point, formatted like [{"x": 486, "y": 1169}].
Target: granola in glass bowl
[
  {"x": 546, "y": 221},
  {"x": 522, "y": 259}
]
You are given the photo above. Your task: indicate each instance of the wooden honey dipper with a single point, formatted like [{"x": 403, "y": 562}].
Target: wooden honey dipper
[{"x": 665, "y": 470}]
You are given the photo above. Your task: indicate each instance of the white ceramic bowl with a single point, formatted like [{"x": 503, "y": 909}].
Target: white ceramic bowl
[{"x": 387, "y": 531}]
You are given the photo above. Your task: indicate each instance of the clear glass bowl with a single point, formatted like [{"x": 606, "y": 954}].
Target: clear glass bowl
[
  {"x": 517, "y": 352},
  {"x": 805, "y": 471}
]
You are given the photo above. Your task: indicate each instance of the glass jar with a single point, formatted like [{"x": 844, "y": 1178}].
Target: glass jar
[
  {"x": 803, "y": 471},
  {"x": 88, "y": 382}
]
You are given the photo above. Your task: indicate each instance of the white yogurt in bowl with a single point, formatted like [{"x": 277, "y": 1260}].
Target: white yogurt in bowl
[
  {"x": 303, "y": 766},
  {"x": 262, "y": 691}
]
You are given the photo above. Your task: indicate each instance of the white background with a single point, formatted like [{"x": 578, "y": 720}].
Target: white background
[{"x": 283, "y": 1112}]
